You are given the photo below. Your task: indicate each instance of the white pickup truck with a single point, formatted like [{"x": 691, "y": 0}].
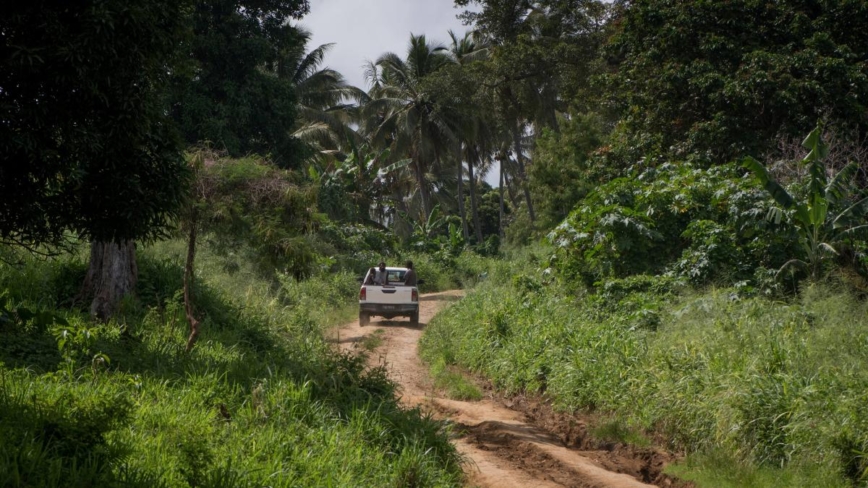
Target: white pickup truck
[{"x": 390, "y": 300}]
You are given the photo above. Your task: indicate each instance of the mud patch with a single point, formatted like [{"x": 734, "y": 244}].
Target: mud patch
[
  {"x": 522, "y": 455},
  {"x": 572, "y": 430}
]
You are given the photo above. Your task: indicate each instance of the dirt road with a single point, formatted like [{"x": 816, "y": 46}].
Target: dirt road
[{"x": 503, "y": 450}]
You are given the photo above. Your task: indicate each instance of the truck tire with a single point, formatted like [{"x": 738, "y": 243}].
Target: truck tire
[
  {"x": 364, "y": 319},
  {"x": 414, "y": 318}
]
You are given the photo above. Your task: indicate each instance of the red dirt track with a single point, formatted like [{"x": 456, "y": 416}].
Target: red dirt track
[{"x": 504, "y": 447}]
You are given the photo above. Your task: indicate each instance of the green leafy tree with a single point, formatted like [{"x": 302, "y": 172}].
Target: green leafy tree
[
  {"x": 489, "y": 212},
  {"x": 542, "y": 54},
  {"x": 717, "y": 80},
  {"x": 822, "y": 230},
  {"x": 85, "y": 144},
  {"x": 564, "y": 172},
  {"x": 232, "y": 94}
]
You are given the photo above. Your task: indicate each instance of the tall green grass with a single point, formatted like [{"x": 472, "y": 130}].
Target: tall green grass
[
  {"x": 759, "y": 392},
  {"x": 262, "y": 400}
]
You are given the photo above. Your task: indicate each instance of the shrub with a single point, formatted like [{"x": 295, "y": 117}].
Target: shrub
[
  {"x": 711, "y": 256},
  {"x": 262, "y": 396},
  {"x": 653, "y": 223},
  {"x": 747, "y": 386}
]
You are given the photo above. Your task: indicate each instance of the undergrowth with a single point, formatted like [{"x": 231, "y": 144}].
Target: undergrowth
[
  {"x": 759, "y": 391},
  {"x": 262, "y": 400}
]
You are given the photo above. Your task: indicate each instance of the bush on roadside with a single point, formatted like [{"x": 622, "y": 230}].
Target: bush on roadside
[
  {"x": 261, "y": 400},
  {"x": 696, "y": 223},
  {"x": 773, "y": 386}
]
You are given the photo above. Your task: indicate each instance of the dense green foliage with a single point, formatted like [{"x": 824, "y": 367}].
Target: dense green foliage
[
  {"x": 705, "y": 225},
  {"x": 262, "y": 399},
  {"x": 562, "y": 173},
  {"x": 85, "y": 143},
  {"x": 718, "y": 80},
  {"x": 234, "y": 93},
  {"x": 249, "y": 202},
  {"x": 776, "y": 389}
]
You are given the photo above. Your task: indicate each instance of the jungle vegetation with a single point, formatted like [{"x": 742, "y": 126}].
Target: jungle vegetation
[{"x": 187, "y": 193}]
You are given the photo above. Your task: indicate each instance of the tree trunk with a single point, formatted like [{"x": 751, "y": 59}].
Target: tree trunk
[
  {"x": 188, "y": 283},
  {"x": 500, "y": 218},
  {"x": 474, "y": 206},
  {"x": 423, "y": 188},
  {"x": 461, "y": 210},
  {"x": 402, "y": 227},
  {"x": 519, "y": 156},
  {"x": 111, "y": 275},
  {"x": 509, "y": 182}
]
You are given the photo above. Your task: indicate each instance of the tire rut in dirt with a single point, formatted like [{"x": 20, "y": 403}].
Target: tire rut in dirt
[
  {"x": 521, "y": 455},
  {"x": 644, "y": 463}
]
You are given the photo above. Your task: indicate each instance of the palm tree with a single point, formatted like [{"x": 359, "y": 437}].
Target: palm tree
[
  {"x": 324, "y": 112},
  {"x": 474, "y": 133},
  {"x": 400, "y": 114},
  {"x": 464, "y": 50}
]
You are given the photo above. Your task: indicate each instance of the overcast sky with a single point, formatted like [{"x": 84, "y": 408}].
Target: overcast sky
[{"x": 365, "y": 29}]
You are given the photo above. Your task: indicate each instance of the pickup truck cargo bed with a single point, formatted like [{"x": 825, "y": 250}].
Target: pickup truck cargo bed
[{"x": 390, "y": 300}]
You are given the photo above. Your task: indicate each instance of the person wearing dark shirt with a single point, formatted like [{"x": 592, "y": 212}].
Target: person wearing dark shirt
[
  {"x": 410, "y": 275},
  {"x": 370, "y": 279}
]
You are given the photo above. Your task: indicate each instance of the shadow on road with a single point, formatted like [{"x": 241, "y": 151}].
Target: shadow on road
[
  {"x": 502, "y": 433},
  {"x": 440, "y": 298},
  {"x": 396, "y": 323},
  {"x": 347, "y": 340}
]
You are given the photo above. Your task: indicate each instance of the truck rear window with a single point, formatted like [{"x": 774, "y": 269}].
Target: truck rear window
[{"x": 396, "y": 276}]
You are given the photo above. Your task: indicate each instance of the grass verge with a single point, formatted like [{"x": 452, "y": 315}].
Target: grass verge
[
  {"x": 455, "y": 384},
  {"x": 757, "y": 391},
  {"x": 262, "y": 400}
]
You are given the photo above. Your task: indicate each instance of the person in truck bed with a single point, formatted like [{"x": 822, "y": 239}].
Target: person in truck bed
[
  {"x": 410, "y": 275},
  {"x": 370, "y": 278},
  {"x": 380, "y": 276}
]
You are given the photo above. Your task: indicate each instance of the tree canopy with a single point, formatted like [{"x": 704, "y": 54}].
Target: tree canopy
[
  {"x": 86, "y": 145},
  {"x": 237, "y": 92},
  {"x": 722, "y": 79}
]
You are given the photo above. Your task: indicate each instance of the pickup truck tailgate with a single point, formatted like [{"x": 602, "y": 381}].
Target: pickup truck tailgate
[{"x": 389, "y": 294}]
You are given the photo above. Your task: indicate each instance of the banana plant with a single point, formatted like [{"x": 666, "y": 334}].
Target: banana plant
[
  {"x": 821, "y": 231},
  {"x": 433, "y": 224},
  {"x": 361, "y": 175}
]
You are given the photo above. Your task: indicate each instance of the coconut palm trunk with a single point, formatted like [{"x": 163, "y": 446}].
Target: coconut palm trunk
[
  {"x": 474, "y": 205},
  {"x": 519, "y": 157},
  {"x": 509, "y": 182},
  {"x": 419, "y": 173},
  {"x": 500, "y": 215},
  {"x": 464, "y": 230}
]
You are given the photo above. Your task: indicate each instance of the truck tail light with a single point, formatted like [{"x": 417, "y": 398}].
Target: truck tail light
[
  {"x": 363, "y": 294},
  {"x": 414, "y": 296}
]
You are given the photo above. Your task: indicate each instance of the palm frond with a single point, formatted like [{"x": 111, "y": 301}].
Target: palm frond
[
  {"x": 837, "y": 186},
  {"x": 792, "y": 265},
  {"x": 309, "y": 64}
]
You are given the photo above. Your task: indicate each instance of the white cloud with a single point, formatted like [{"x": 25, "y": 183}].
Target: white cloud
[{"x": 365, "y": 29}]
